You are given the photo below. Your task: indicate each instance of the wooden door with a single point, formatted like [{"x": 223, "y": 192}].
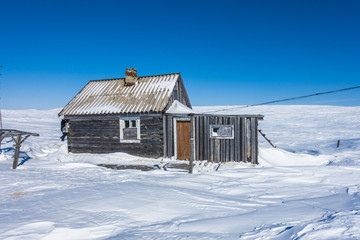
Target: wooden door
[{"x": 183, "y": 140}]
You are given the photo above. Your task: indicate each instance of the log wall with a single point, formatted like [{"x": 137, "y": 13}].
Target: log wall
[{"x": 102, "y": 135}]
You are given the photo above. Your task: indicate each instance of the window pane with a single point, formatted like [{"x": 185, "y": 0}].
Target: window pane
[
  {"x": 133, "y": 123},
  {"x": 127, "y": 123},
  {"x": 222, "y": 131},
  {"x": 130, "y": 133},
  {"x": 215, "y": 131}
]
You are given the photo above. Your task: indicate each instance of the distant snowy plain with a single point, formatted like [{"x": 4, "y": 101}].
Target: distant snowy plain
[{"x": 306, "y": 188}]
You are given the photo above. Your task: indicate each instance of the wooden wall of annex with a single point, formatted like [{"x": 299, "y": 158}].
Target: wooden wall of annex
[{"x": 243, "y": 147}]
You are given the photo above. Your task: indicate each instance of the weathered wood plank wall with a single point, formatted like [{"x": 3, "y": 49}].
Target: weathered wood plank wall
[
  {"x": 242, "y": 147},
  {"x": 179, "y": 93},
  {"x": 169, "y": 136},
  {"x": 102, "y": 135}
]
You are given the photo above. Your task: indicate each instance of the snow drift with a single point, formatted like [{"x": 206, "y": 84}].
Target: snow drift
[{"x": 306, "y": 188}]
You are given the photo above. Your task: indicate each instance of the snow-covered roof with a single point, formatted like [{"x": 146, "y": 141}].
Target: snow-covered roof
[
  {"x": 148, "y": 94},
  {"x": 179, "y": 108}
]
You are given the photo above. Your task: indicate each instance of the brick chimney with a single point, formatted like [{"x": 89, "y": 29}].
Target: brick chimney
[{"x": 130, "y": 76}]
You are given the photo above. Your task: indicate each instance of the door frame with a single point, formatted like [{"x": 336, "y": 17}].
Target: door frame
[{"x": 175, "y": 120}]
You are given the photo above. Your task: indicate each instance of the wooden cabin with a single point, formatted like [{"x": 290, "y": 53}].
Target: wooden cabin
[{"x": 151, "y": 116}]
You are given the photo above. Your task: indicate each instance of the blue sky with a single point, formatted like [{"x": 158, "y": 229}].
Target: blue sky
[{"x": 228, "y": 52}]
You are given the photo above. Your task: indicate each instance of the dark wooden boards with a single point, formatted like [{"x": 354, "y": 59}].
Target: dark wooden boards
[
  {"x": 158, "y": 133},
  {"x": 103, "y": 136},
  {"x": 241, "y": 147}
]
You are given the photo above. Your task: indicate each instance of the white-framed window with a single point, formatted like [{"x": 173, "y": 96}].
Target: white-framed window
[
  {"x": 222, "y": 131},
  {"x": 129, "y": 129}
]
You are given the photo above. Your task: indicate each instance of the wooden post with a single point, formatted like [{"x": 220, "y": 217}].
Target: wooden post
[
  {"x": 268, "y": 140},
  {"x": 16, "y": 137},
  {"x": 165, "y": 136},
  {"x": 1, "y": 138},
  {"x": 192, "y": 144},
  {"x": 17, "y": 150},
  {"x": 338, "y": 144}
]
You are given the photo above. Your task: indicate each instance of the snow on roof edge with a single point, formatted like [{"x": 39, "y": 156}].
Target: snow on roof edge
[{"x": 179, "y": 108}]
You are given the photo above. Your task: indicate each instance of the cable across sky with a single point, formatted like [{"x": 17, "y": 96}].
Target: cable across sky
[{"x": 289, "y": 99}]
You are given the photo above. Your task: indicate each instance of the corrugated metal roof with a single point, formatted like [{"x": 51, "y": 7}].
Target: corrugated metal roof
[{"x": 108, "y": 96}]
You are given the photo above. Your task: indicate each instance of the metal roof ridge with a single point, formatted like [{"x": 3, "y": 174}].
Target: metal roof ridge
[{"x": 111, "y": 79}]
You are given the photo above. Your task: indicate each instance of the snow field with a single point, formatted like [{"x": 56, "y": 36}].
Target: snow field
[{"x": 304, "y": 189}]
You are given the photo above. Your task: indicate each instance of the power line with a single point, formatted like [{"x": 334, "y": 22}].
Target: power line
[{"x": 289, "y": 99}]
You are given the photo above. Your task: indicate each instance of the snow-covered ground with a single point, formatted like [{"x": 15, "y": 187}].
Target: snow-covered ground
[{"x": 305, "y": 189}]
